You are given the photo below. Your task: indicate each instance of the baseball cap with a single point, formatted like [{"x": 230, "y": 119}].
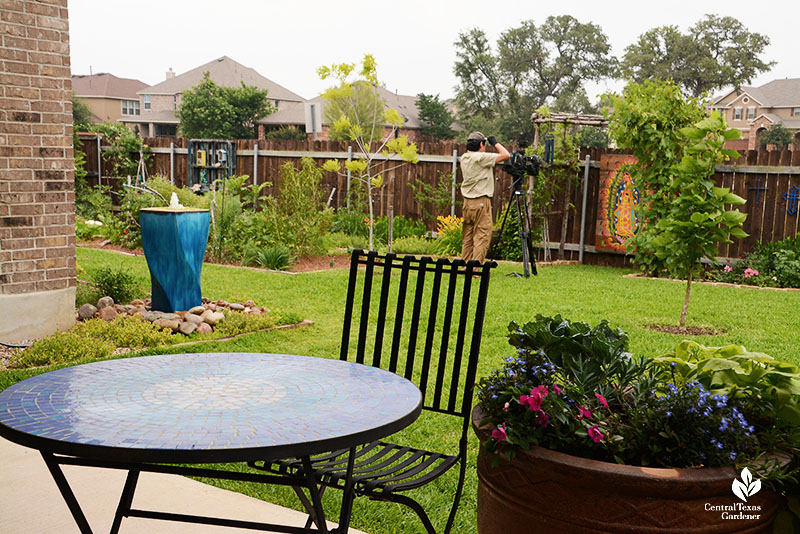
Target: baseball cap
[{"x": 476, "y": 136}]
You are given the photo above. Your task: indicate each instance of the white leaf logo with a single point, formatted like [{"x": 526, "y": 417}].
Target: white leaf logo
[{"x": 747, "y": 487}]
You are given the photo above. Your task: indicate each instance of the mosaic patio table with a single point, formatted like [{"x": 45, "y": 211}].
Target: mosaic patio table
[{"x": 142, "y": 414}]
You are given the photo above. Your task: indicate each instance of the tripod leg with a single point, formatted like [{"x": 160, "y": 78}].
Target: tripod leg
[
  {"x": 523, "y": 235},
  {"x": 528, "y": 245}
]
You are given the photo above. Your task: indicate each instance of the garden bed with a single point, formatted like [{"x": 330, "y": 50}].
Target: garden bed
[{"x": 712, "y": 283}]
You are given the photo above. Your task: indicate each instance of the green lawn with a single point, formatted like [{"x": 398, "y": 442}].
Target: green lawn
[{"x": 761, "y": 320}]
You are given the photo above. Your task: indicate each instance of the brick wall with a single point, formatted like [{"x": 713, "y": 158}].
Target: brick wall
[{"x": 37, "y": 199}]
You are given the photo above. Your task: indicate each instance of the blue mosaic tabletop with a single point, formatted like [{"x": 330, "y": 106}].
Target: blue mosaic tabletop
[{"x": 207, "y": 407}]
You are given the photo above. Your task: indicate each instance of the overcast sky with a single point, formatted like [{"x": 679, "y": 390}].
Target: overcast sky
[{"x": 411, "y": 40}]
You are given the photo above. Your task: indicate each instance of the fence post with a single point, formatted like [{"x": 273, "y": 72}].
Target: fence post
[
  {"x": 583, "y": 207},
  {"x": 453, "y": 187},
  {"x": 99, "y": 161},
  {"x": 255, "y": 173},
  {"x": 172, "y": 162},
  {"x": 349, "y": 158}
]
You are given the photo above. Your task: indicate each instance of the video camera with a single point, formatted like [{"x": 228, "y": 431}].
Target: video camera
[{"x": 519, "y": 165}]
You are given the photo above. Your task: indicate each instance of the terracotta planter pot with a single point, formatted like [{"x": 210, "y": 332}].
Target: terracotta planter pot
[{"x": 545, "y": 491}]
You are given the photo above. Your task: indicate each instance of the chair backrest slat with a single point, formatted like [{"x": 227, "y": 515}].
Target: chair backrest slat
[{"x": 443, "y": 304}]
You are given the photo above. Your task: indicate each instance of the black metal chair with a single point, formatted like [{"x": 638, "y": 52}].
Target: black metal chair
[{"x": 436, "y": 346}]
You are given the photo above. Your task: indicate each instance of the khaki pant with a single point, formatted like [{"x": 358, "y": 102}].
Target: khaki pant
[{"x": 477, "y": 228}]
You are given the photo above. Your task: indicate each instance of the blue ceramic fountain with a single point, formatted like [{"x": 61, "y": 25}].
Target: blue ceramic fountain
[{"x": 174, "y": 242}]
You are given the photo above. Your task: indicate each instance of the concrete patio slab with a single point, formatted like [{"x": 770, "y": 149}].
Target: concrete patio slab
[{"x": 30, "y": 502}]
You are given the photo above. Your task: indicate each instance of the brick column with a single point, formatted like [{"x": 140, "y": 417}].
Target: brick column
[{"x": 37, "y": 194}]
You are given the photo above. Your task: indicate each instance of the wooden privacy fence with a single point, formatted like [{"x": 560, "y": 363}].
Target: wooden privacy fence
[{"x": 768, "y": 180}]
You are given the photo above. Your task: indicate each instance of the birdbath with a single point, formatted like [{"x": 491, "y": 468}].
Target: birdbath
[{"x": 174, "y": 240}]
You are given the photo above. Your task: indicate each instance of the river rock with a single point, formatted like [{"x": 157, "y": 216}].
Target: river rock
[
  {"x": 204, "y": 328},
  {"x": 151, "y": 316},
  {"x": 236, "y": 306},
  {"x": 212, "y": 317},
  {"x": 197, "y": 310},
  {"x": 137, "y": 302},
  {"x": 86, "y": 311},
  {"x": 250, "y": 304},
  {"x": 170, "y": 316},
  {"x": 187, "y": 327},
  {"x": 108, "y": 313},
  {"x": 171, "y": 324},
  {"x": 105, "y": 301},
  {"x": 192, "y": 318}
]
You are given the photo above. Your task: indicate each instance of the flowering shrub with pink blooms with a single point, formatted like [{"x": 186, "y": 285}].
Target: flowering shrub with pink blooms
[{"x": 576, "y": 389}]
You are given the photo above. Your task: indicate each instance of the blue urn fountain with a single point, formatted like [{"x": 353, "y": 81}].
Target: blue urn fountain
[{"x": 174, "y": 242}]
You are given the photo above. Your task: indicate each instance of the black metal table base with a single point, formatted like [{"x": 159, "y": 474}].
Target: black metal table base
[{"x": 313, "y": 502}]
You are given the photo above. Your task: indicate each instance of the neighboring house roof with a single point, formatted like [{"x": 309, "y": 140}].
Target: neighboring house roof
[
  {"x": 294, "y": 113},
  {"x": 775, "y": 94},
  {"x": 789, "y": 124},
  {"x": 105, "y": 85},
  {"x": 166, "y": 117},
  {"x": 226, "y": 73}
]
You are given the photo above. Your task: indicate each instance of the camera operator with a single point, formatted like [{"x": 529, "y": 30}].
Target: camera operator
[{"x": 477, "y": 188}]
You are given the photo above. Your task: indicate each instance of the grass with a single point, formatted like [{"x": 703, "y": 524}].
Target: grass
[{"x": 761, "y": 320}]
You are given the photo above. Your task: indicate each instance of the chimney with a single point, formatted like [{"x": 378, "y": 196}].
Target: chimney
[{"x": 170, "y": 74}]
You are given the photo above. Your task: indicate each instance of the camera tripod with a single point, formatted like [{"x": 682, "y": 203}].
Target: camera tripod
[{"x": 523, "y": 227}]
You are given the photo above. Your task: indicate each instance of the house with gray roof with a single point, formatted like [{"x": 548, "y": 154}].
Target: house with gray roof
[
  {"x": 109, "y": 98},
  {"x": 159, "y": 102},
  {"x": 753, "y": 110},
  {"x": 294, "y": 115}
]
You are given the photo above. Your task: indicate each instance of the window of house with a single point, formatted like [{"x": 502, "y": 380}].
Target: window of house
[
  {"x": 751, "y": 113},
  {"x": 130, "y": 107},
  {"x": 146, "y": 101},
  {"x": 166, "y": 130},
  {"x": 796, "y": 112},
  {"x": 737, "y": 114},
  {"x": 174, "y": 101}
]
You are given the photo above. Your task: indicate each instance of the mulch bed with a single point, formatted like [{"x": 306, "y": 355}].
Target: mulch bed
[{"x": 685, "y": 330}]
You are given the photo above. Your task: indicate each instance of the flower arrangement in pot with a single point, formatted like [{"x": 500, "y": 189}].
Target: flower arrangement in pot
[{"x": 578, "y": 435}]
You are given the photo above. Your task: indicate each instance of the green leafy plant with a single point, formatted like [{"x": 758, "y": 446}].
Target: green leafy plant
[
  {"x": 771, "y": 264},
  {"x": 274, "y": 257},
  {"x": 697, "y": 220},
  {"x": 776, "y": 135},
  {"x": 122, "y": 154},
  {"x": 117, "y": 283},
  {"x": 574, "y": 388},
  {"x": 403, "y": 227},
  {"x": 434, "y": 199},
  {"x": 62, "y": 347},
  {"x": 450, "y": 238},
  {"x": 124, "y": 331},
  {"x": 647, "y": 119},
  {"x": 414, "y": 245},
  {"x": 508, "y": 246},
  {"x": 286, "y": 133},
  {"x": 351, "y": 222}
]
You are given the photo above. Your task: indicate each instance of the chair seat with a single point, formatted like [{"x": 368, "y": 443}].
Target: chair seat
[{"x": 380, "y": 468}]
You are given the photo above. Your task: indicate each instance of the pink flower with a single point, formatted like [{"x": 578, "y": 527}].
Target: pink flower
[
  {"x": 542, "y": 419},
  {"x": 750, "y": 272},
  {"x": 727, "y": 268},
  {"x": 584, "y": 412},
  {"x": 595, "y": 434},
  {"x": 602, "y": 400},
  {"x": 557, "y": 389},
  {"x": 499, "y": 433},
  {"x": 534, "y": 400}
]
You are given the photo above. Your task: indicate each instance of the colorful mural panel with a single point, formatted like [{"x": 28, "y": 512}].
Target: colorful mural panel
[{"x": 618, "y": 199}]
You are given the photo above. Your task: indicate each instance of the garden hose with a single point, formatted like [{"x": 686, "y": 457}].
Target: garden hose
[{"x": 13, "y": 346}]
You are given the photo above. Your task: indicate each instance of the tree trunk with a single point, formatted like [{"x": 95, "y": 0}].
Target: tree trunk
[
  {"x": 565, "y": 218},
  {"x": 686, "y": 300}
]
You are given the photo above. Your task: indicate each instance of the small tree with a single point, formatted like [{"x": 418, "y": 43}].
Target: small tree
[
  {"x": 697, "y": 219},
  {"x": 211, "y": 111},
  {"x": 776, "y": 135},
  {"x": 435, "y": 116},
  {"x": 382, "y": 126},
  {"x": 81, "y": 115},
  {"x": 122, "y": 155},
  {"x": 647, "y": 119}
]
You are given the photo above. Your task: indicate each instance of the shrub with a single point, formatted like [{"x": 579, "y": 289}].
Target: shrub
[
  {"x": 286, "y": 133},
  {"x": 341, "y": 240},
  {"x": 403, "y": 227},
  {"x": 119, "y": 284},
  {"x": 450, "y": 236},
  {"x": 771, "y": 264},
  {"x": 274, "y": 257},
  {"x": 124, "y": 331},
  {"x": 414, "y": 245},
  {"x": 509, "y": 245},
  {"x": 62, "y": 347},
  {"x": 87, "y": 229},
  {"x": 236, "y": 323},
  {"x": 351, "y": 222}
]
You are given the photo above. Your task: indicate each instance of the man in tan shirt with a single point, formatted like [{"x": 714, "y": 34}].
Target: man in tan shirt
[{"x": 477, "y": 168}]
